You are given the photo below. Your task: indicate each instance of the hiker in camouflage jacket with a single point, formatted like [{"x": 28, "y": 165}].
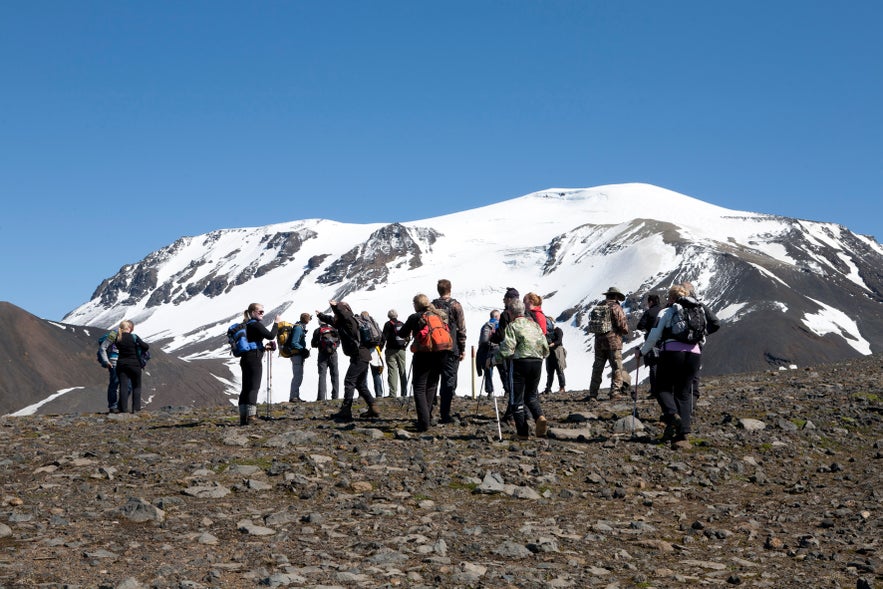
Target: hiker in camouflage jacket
[
  {"x": 608, "y": 348},
  {"x": 524, "y": 346}
]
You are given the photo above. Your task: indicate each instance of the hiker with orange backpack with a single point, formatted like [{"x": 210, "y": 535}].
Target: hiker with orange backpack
[{"x": 432, "y": 343}]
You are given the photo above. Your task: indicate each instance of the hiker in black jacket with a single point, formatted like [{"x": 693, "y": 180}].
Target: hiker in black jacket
[
  {"x": 356, "y": 377},
  {"x": 497, "y": 337},
  {"x": 645, "y": 324},
  {"x": 251, "y": 362},
  {"x": 130, "y": 347},
  {"x": 395, "y": 350}
]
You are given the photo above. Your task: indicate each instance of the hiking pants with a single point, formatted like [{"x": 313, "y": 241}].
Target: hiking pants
[
  {"x": 450, "y": 366},
  {"x": 297, "y": 377},
  {"x": 553, "y": 368},
  {"x": 426, "y": 371},
  {"x": 675, "y": 383},
  {"x": 328, "y": 363},
  {"x": 356, "y": 378},
  {"x": 397, "y": 365},
  {"x": 489, "y": 380},
  {"x": 130, "y": 376},
  {"x": 252, "y": 372},
  {"x": 113, "y": 387},
  {"x": 526, "y": 374},
  {"x": 620, "y": 376},
  {"x": 378, "y": 381}
]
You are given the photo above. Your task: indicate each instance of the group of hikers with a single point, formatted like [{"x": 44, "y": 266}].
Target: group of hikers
[{"x": 515, "y": 343}]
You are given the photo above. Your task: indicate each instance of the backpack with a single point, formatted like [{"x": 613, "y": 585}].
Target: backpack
[
  {"x": 400, "y": 342},
  {"x": 688, "y": 324},
  {"x": 550, "y": 330},
  {"x": 447, "y": 305},
  {"x": 283, "y": 338},
  {"x": 601, "y": 319},
  {"x": 434, "y": 335},
  {"x": 369, "y": 332},
  {"x": 143, "y": 355},
  {"x": 111, "y": 349},
  {"x": 327, "y": 339},
  {"x": 236, "y": 337}
]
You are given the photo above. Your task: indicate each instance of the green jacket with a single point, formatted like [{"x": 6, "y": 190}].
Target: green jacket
[{"x": 523, "y": 338}]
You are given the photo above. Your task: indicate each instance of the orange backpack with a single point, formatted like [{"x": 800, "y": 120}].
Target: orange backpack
[{"x": 434, "y": 336}]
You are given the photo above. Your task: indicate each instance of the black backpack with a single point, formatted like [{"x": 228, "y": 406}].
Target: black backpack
[{"x": 688, "y": 323}]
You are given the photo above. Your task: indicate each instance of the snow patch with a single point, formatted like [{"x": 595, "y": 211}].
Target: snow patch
[
  {"x": 831, "y": 320},
  {"x": 32, "y": 409}
]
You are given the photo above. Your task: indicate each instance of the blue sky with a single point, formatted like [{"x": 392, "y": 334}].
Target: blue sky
[{"x": 125, "y": 125}]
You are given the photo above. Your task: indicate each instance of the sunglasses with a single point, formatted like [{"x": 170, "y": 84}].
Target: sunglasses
[{"x": 261, "y": 312}]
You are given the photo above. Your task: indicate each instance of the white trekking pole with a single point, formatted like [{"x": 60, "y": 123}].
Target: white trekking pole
[{"x": 269, "y": 381}]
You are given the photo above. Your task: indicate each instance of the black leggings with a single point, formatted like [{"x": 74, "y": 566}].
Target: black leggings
[
  {"x": 252, "y": 372},
  {"x": 526, "y": 374},
  {"x": 674, "y": 381},
  {"x": 129, "y": 376}
]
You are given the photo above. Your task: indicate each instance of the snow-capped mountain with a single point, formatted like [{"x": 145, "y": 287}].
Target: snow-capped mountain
[{"x": 789, "y": 291}]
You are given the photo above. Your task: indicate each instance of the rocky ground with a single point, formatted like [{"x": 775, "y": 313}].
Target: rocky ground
[{"x": 781, "y": 488}]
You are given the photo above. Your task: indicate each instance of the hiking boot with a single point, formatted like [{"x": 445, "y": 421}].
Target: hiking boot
[
  {"x": 522, "y": 438},
  {"x": 251, "y": 420},
  {"x": 370, "y": 413},
  {"x": 447, "y": 419},
  {"x": 590, "y": 398},
  {"x": 542, "y": 426},
  {"x": 681, "y": 443},
  {"x": 561, "y": 390},
  {"x": 546, "y": 391},
  {"x": 345, "y": 415},
  {"x": 672, "y": 428}
]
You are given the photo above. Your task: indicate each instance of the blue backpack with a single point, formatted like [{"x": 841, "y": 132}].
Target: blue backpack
[{"x": 236, "y": 336}]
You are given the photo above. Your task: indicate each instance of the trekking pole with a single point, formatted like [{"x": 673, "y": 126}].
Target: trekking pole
[
  {"x": 473, "y": 371},
  {"x": 499, "y": 426},
  {"x": 412, "y": 386},
  {"x": 478, "y": 400},
  {"x": 635, "y": 397},
  {"x": 269, "y": 381}
]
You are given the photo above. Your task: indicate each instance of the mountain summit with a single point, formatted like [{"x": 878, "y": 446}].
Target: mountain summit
[{"x": 789, "y": 291}]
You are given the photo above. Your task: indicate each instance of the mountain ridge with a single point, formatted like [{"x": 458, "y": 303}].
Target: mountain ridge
[{"x": 815, "y": 282}]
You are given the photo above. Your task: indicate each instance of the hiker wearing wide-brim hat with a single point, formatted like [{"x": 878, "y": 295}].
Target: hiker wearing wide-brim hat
[
  {"x": 614, "y": 293},
  {"x": 608, "y": 322}
]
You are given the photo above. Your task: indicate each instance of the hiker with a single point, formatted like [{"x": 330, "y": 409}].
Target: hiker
[
  {"x": 526, "y": 346},
  {"x": 609, "y": 324},
  {"x": 326, "y": 340},
  {"x": 128, "y": 368},
  {"x": 394, "y": 348},
  {"x": 107, "y": 357},
  {"x": 426, "y": 364},
  {"x": 533, "y": 309},
  {"x": 375, "y": 364},
  {"x": 299, "y": 354},
  {"x": 457, "y": 327},
  {"x": 251, "y": 362},
  {"x": 678, "y": 365},
  {"x": 556, "y": 362},
  {"x": 645, "y": 324},
  {"x": 486, "y": 351},
  {"x": 691, "y": 292},
  {"x": 497, "y": 338},
  {"x": 359, "y": 353}
]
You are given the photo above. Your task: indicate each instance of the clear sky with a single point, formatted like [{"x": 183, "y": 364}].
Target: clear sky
[{"x": 125, "y": 125}]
